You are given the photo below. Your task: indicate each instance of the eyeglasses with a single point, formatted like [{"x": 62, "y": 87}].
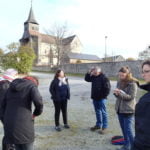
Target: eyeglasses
[{"x": 145, "y": 71}]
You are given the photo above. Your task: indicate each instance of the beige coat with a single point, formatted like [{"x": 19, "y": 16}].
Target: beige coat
[{"x": 126, "y": 102}]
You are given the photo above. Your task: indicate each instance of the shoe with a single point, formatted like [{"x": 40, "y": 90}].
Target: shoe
[
  {"x": 66, "y": 126},
  {"x": 57, "y": 128},
  {"x": 11, "y": 147},
  {"x": 125, "y": 147},
  {"x": 95, "y": 128},
  {"x": 103, "y": 131}
]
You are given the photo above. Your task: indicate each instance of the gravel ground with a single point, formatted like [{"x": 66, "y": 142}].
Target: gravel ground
[{"x": 81, "y": 117}]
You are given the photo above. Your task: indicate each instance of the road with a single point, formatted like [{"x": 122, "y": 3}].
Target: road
[{"x": 81, "y": 117}]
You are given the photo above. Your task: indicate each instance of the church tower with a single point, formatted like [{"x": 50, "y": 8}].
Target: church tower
[
  {"x": 31, "y": 23},
  {"x": 30, "y": 26},
  {"x": 31, "y": 33}
]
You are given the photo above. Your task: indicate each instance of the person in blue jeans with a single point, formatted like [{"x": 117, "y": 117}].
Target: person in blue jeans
[
  {"x": 100, "y": 91},
  {"x": 125, "y": 104},
  {"x": 101, "y": 113}
]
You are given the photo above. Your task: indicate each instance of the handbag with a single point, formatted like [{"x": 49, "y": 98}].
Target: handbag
[{"x": 117, "y": 140}]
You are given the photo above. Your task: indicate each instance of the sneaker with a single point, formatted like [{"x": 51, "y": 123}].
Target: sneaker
[
  {"x": 66, "y": 126},
  {"x": 103, "y": 131},
  {"x": 57, "y": 128},
  {"x": 95, "y": 128}
]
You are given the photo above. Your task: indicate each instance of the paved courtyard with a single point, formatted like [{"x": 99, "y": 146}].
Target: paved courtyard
[{"x": 80, "y": 115}]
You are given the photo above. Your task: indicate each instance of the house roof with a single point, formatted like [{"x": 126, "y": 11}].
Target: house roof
[
  {"x": 83, "y": 56},
  {"x": 31, "y": 18},
  {"x": 114, "y": 57}
]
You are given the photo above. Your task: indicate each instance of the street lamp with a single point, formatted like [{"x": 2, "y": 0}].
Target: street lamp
[{"x": 105, "y": 48}]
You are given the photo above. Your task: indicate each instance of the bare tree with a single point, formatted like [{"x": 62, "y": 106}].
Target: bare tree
[
  {"x": 51, "y": 56},
  {"x": 59, "y": 32},
  {"x": 13, "y": 47}
]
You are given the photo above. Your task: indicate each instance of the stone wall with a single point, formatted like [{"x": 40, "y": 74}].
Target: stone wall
[
  {"x": 109, "y": 68},
  {"x": 41, "y": 68}
]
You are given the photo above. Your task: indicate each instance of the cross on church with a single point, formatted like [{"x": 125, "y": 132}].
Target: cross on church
[{"x": 31, "y": 2}]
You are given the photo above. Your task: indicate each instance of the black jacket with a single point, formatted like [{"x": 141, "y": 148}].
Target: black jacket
[
  {"x": 4, "y": 85},
  {"x": 100, "y": 86},
  {"x": 55, "y": 91},
  {"x": 142, "y": 120},
  {"x": 17, "y": 108}
]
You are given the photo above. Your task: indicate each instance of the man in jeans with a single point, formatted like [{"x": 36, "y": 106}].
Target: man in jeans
[{"x": 99, "y": 93}]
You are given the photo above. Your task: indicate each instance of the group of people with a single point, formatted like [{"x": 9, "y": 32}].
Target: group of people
[
  {"x": 126, "y": 107},
  {"x": 18, "y": 94}
]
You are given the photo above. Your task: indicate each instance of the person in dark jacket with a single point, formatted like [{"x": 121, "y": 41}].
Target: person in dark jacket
[
  {"x": 17, "y": 115},
  {"x": 60, "y": 93},
  {"x": 125, "y": 104},
  {"x": 142, "y": 113},
  {"x": 8, "y": 76},
  {"x": 99, "y": 93}
]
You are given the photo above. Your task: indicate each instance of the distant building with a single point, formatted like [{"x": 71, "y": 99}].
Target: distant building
[
  {"x": 114, "y": 59},
  {"x": 143, "y": 55},
  {"x": 74, "y": 58},
  {"x": 44, "y": 44}
]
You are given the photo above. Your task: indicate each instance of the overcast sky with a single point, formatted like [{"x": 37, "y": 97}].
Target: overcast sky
[{"x": 126, "y": 23}]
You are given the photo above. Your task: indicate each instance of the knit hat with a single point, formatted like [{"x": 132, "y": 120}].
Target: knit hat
[{"x": 10, "y": 74}]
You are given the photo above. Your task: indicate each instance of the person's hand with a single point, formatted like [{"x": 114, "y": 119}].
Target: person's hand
[
  {"x": 33, "y": 117},
  {"x": 117, "y": 91},
  {"x": 92, "y": 71}
]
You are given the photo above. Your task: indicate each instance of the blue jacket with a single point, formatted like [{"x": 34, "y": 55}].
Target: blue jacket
[{"x": 57, "y": 93}]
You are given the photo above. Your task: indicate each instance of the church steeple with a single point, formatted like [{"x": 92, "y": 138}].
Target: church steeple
[
  {"x": 31, "y": 27},
  {"x": 31, "y": 18}
]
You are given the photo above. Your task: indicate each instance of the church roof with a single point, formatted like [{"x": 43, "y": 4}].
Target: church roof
[
  {"x": 47, "y": 38},
  {"x": 83, "y": 56},
  {"x": 31, "y": 18},
  {"x": 68, "y": 40},
  {"x": 44, "y": 37},
  {"x": 51, "y": 39}
]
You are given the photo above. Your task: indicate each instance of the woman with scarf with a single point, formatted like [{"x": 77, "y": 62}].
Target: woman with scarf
[
  {"x": 125, "y": 104},
  {"x": 60, "y": 93}
]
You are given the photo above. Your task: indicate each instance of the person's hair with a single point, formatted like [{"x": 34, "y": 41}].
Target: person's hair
[
  {"x": 33, "y": 79},
  {"x": 147, "y": 62},
  {"x": 57, "y": 73},
  {"x": 127, "y": 70},
  {"x": 98, "y": 69}
]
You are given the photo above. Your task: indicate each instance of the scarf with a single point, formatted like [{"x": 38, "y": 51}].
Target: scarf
[{"x": 62, "y": 81}]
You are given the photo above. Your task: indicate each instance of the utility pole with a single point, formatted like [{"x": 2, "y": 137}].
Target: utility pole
[{"x": 106, "y": 48}]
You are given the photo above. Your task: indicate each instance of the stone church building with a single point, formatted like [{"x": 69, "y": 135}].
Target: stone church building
[{"x": 44, "y": 45}]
